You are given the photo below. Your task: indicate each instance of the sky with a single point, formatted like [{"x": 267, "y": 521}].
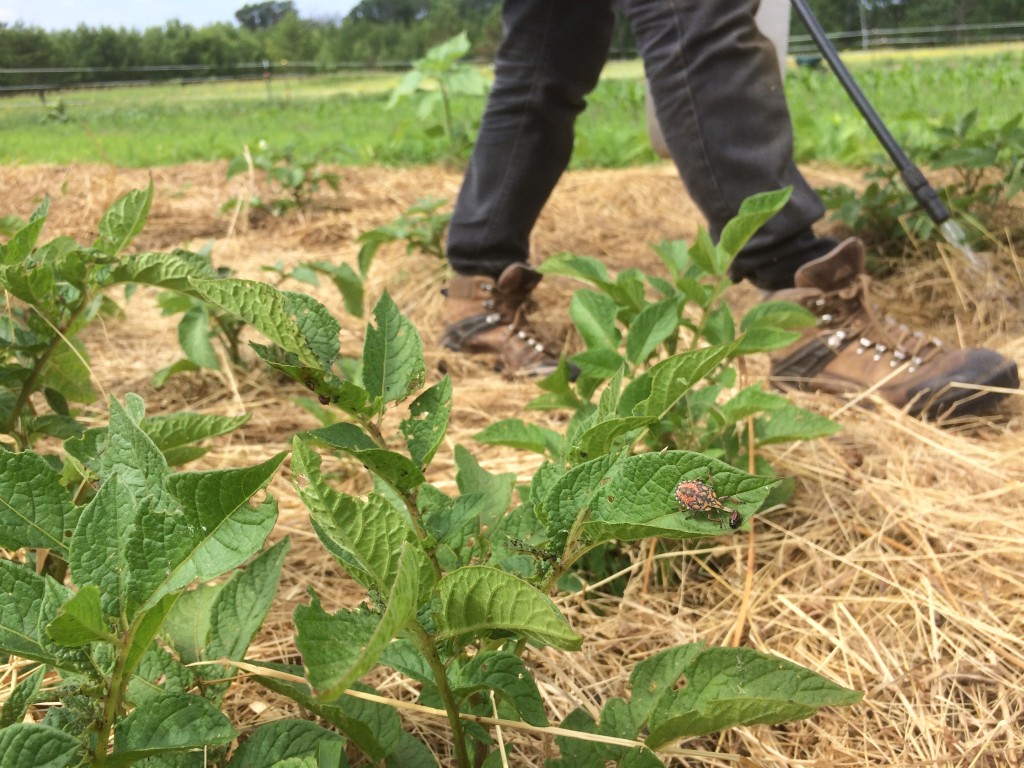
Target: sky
[{"x": 140, "y": 14}]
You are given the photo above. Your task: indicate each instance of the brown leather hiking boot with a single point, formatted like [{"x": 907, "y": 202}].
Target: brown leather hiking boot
[
  {"x": 854, "y": 348},
  {"x": 488, "y": 316}
]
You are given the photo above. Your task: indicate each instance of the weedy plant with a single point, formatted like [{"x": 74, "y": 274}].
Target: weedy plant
[
  {"x": 458, "y": 586},
  {"x": 988, "y": 172},
  {"x": 52, "y": 292},
  {"x": 297, "y": 177},
  {"x": 437, "y": 78},
  {"x": 200, "y": 325},
  {"x": 422, "y": 226},
  {"x": 667, "y": 355}
]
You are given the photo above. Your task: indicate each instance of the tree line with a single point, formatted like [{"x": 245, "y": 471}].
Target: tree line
[{"x": 374, "y": 33}]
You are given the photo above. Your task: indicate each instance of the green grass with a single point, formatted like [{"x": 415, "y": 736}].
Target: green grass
[{"x": 342, "y": 118}]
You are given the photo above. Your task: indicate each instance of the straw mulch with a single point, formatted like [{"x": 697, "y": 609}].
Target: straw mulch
[{"x": 897, "y": 568}]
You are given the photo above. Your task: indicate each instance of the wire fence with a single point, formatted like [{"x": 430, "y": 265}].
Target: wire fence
[{"x": 43, "y": 80}]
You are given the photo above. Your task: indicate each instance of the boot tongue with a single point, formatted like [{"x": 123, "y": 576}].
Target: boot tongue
[
  {"x": 835, "y": 269},
  {"x": 518, "y": 279}
]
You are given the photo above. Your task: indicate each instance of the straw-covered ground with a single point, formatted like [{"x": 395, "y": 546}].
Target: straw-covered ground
[{"x": 897, "y": 568}]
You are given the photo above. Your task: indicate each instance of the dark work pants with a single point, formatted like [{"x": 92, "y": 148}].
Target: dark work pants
[{"x": 719, "y": 99}]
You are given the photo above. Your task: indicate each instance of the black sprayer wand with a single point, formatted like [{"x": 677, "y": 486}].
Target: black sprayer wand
[{"x": 918, "y": 185}]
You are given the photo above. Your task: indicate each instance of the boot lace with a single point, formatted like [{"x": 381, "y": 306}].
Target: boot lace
[{"x": 849, "y": 312}]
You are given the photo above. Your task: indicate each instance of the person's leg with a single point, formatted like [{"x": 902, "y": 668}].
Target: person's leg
[
  {"x": 720, "y": 102},
  {"x": 550, "y": 58}
]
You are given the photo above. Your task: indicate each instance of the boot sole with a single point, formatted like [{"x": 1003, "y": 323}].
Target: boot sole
[{"x": 951, "y": 401}]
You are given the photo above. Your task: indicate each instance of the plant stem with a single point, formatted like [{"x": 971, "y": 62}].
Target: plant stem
[
  {"x": 29, "y": 385},
  {"x": 112, "y": 701},
  {"x": 448, "y": 120},
  {"x": 426, "y": 646}
]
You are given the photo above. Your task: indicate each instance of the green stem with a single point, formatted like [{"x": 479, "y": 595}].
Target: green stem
[
  {"x": 429, "y": 651},
  {"x": 29, "y": 385},
  {"x": 448, "y": 120},
  {"x": 112, "y": 702}
]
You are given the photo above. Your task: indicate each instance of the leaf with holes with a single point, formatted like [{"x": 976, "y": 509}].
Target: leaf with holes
[{"x": 692, "y": 690}]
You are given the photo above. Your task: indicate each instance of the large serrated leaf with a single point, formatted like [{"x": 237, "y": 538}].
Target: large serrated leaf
[
  {"x": 170, "y": 723},
  {"x": 522, "y": 435},
  {"x": 692, "y": 690},
  {"x": 617, "y": 722},
  {"x": 172, "y": 431},
  {"x": 670, "y": 379},
  {"x": 749, "y": 402},
  {"x": 294, "y": 321},
  {"x": 163, "y": 270},
  {"x": 31, "y": 745},
  {"x": 655, "y": 323},
  {"x": 348, "y": 282},
  {"x": 585, "y": 268},
  {"x": 21, "y": 243},
  {"x": 157, "y": 674},
  {"x": 569, "y": 499},
  {"x": 393, "y": 365},
  {"x": 22, "y": 697},
  {"x": 214, "y": 530},
  {"x": 753, "y": 213},
  {"x": 793, "y": 423},
  {"x": 410, "y": 752},
  {"x": 35, "y": 509},
  {"x": 600, "y": 438},
  {"x": 194, "y": 335},
  {"x": 786, "y": 315},
  {"x": 187, "y": 626},
  {"x": 281, "y": 740},
  {"x": 478, "y": 600},
  {"x": 375, "y": 728},
  {"x": 338, "y": 649},
  {"x": 366, "y": 534},
  {"x": 496, "y": 488},
  {"x": 21, "y": 601},
  {"x": 80, "y": 620},
  {"x": 98, "y": 548},
  {"x": 241, "y": 606},
  {"x": 129, "y": 454},
  {"x": 67, "y": 371},
  {"x": 504, "y": 673},
  {"x": 428, "y": 421},
  {"x": 594, "y": 317},
  {"x": 124, "y": 220},
  {"x": 638, "y": 499}
]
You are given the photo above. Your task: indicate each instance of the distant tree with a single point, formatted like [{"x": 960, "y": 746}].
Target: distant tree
[
  {"x": 391, "y": 11},
  {"x": 264, "y": 15}
]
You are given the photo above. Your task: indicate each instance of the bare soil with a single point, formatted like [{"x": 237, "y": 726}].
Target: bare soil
[{"x": 897, "y": 568}]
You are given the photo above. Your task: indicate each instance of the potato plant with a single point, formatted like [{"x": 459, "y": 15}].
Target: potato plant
[
  {"x": 127, "y": 649},
  {"x": 113, "y": 643},
  {"x": 458, "y": 586},
  {"x": 665, "y": 355}
]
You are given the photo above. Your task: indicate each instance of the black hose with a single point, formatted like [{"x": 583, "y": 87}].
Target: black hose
[{"x": 918, "y": 185}]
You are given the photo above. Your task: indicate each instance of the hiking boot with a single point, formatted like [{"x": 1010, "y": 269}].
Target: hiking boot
[
  {"x": 854, "y": 348},
  {"x": 488, "y": 316}
]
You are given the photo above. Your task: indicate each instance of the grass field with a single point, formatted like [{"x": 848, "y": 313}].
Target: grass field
[{"x": 342, "y": 118}]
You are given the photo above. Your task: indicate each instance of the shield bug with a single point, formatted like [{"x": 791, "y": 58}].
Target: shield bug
[{"x": 698, "y": 496}]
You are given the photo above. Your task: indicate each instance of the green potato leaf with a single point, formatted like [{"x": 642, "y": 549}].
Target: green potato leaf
[{"x": 479, "y": 600}]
